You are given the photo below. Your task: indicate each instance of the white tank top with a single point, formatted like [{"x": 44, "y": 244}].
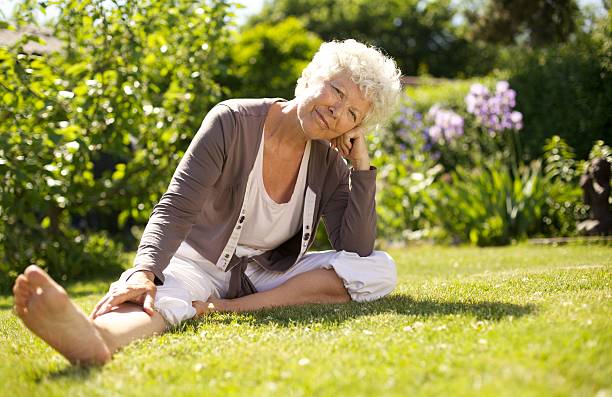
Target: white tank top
[{"x": 269, "y": 224}]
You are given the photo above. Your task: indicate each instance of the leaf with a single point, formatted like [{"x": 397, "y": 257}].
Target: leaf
[
  {"x": 123, "y": 217},
  {"x": 70, "y": 133},
  {"x": 77, "y": 69},
  {"x": 46, "y": 222},
  {"x": 119, "y": 172}
]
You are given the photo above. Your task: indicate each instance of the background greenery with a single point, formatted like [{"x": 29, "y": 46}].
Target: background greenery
[
  {"x": 94, "y": 132},
  {"x": 90, "y": 135}
]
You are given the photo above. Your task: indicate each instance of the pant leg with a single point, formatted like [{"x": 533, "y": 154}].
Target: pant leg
[
  {"x": 365, "y": 278},
  {"x": 187, "y": 280}
]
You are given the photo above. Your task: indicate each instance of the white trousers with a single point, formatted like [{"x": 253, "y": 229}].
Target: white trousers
[{"x": 189, "y": 277}]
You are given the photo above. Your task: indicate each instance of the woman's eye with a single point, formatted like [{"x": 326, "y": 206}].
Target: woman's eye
[
  {"x": 354, "y": 116},
  {"x": 337, "y": 91}
]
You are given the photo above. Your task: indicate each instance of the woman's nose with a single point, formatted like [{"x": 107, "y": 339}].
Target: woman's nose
[{"x": 336, "y": 110}]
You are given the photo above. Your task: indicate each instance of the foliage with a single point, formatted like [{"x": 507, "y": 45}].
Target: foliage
[
  {"x": 101, "y": 125},
  {"x": 483, "y": 124},
  {"x": 447, "y": 93},
  {"x": 600, "y": 149},
  {"x": 419, "y": 35},
  {"x": 534, "y": 22},
  {"x": 564, "y": 198},
  {"x": 458, "y": 173},
  {"x": 267, "y": 59},
  {"x": 406, "y": 173},
  {"x": 565, "y": 90},
  {"x": 488, "y": 204},
  {"x": 67, "y": 254}
]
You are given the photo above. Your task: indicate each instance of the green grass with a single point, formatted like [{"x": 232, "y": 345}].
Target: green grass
[{"x": 513, "y": 321}]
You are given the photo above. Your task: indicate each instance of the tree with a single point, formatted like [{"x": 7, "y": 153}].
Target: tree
[
  {"x": 132, "y": 83},
  {"x": 536, "y": 23},
  {"x": 267, "y": 59},
  {"x": 419, "y": 35}
]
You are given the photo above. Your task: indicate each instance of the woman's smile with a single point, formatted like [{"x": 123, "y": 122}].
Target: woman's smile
[{"x": 323, "y": 122}]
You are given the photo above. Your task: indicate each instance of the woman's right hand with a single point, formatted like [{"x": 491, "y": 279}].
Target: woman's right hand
[{"x": 139, "y": 289}]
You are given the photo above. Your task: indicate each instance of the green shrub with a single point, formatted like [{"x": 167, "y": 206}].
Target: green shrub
[
  {"x": 267, "y": 59},
  {"x": 421, "y": 36},
  {"x": 447, "y": 93},
  {"x": 473, "y": 185},
  {"x": 132, "y": 83},
  {"x": 487, "y": 204},
  {"x": 564, "y": 199},
  {"x": 406, "y": 170},
  {"x": 565, "y": 90},
  {"x": 67, "y": 255}
]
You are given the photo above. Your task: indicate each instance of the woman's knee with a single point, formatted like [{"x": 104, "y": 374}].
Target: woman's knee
[
  {"x": 387, "y": 271},
  {"x": 367, "y": 278}
]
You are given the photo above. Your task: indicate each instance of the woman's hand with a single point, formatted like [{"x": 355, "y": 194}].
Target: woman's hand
[
  {"x": 139, "y": 289},
  {"x": 352, "y": 145}
]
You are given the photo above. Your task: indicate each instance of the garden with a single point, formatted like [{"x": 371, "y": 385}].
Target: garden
[{"x": 479, "y": 192}]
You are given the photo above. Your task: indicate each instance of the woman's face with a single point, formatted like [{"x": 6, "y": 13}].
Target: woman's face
[{"x": 329, "y": 108}]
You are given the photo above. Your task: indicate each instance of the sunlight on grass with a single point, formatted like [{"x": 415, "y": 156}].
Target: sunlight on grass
[{"x": 498, "y": 321}]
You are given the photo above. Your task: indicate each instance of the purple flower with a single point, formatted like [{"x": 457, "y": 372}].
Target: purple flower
[
  {"x": 435, "y": 133},
  {"x": 479, "y": 90},
  {"x": 448, "y": 125},
  {"x": 501, "y": 87},
  {"x": 494, "y": 112},
  {"x": 409, "y": 121}
]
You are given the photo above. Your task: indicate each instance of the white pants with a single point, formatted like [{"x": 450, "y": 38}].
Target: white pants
[{"x": 189, "y": 277}]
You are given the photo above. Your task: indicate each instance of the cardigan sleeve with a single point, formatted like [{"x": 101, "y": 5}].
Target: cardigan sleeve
[
  {"x": 176, "y": 212},
  {"x": 350, "y": 214}
]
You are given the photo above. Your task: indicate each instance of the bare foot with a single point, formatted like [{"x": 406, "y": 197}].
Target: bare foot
[
  {"x": 44, "y": 307},
  {"x": 211, "y": 305}
]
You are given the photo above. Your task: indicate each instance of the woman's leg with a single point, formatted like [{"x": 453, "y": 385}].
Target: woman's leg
[
  {"x": 127, "y": 324},
  {"x": 314, "y": 286},
  {"x": 319, "y": 277},
  {"x": 45, "y": 308}
]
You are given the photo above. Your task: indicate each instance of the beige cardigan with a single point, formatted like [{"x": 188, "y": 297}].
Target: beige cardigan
[{"x": 205, "y": 201}]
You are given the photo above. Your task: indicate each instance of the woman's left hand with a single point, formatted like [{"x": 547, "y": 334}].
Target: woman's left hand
[{"x": 352, "y": 145}]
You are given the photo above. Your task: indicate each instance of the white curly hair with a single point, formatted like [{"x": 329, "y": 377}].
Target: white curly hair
[{"x": 376, "y": 75}]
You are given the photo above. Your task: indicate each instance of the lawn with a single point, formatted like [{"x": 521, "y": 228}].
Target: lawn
[{"x": 513, "y": 321}]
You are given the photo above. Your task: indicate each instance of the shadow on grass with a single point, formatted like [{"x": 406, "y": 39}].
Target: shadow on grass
[
  {"x": 6, "y": 302},
  {"x": 71, "y": 372},
  {"x": 398, "y": 304},
  {"x": 334, "y": 314}
]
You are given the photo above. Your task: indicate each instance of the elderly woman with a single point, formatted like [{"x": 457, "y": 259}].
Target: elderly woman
[{"x": 232, "y": 231}]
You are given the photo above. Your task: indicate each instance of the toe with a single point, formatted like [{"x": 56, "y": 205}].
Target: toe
[
  {"x": 37, "y": 277},
  {"x": 22, "y": 296},
  {"x": 21, "y": 284}
]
